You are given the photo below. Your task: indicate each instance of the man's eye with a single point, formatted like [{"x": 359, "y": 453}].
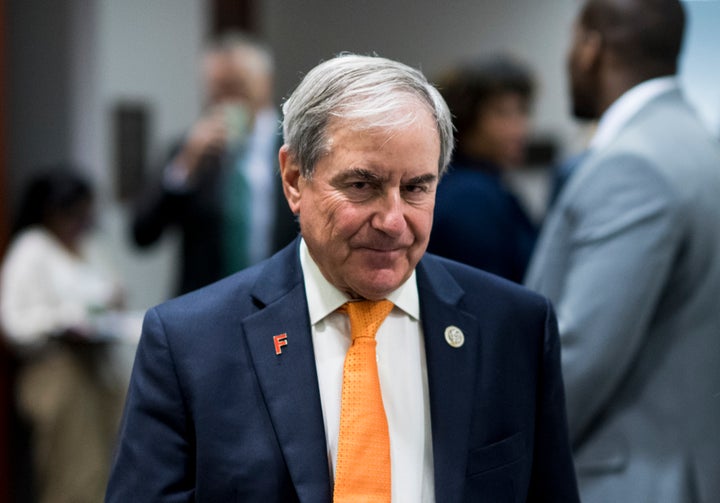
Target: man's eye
[
  {"x": 359, "y": 185},
  {"x": 414, "y": 189}
]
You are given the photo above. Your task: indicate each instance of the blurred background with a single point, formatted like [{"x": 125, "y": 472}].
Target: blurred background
[{"x": 108, "y": 84}]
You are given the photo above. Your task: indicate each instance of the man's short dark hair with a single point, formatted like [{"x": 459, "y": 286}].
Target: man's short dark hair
[{"x": 645, "y": 35}]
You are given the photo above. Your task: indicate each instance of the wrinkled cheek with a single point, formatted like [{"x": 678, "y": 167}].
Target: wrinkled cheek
[{"x": 349, "y": 226}]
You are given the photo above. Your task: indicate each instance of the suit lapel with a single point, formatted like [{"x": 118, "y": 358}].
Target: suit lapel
[
  {"x": 451, "y": 375},
  {"x": 280, "y": 343}
]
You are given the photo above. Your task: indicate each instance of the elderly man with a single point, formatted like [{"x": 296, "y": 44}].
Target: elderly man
[
  {"x": 251, "y": 389},
  {"x": 629, "y": 257}
]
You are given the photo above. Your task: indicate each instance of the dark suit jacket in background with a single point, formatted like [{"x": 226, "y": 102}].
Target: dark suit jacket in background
[
  {"x": 479, "y": 222},
  {"x": 214, "y": 414},
  {"x": 198, "y": 214}
]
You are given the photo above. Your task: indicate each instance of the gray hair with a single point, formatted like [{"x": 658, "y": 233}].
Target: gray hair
[{"x": 367, "y": 91}]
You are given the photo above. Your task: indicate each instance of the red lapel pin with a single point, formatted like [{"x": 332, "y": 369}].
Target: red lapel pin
[{"x": 279, "y": 341}]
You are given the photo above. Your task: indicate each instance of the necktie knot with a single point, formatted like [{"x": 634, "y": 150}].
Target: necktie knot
[{"x": 366, "y": 316}]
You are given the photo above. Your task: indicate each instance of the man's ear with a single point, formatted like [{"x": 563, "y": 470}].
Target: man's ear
[
  {"x": 290, "y": 174},
  {"x": 591, "y": 46}
]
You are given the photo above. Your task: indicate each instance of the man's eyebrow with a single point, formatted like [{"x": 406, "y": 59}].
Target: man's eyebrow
[
  {"x": 361, "y": 173},
  {"x": 422, "y": 179},
  {"x": 372, "y": 177}
]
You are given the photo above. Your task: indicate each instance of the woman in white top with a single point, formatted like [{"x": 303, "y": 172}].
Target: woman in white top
[{"x": 49, "y": 295}]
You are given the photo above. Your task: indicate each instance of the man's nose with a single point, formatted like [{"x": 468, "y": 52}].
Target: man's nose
[{"x": 390, "y": 215}]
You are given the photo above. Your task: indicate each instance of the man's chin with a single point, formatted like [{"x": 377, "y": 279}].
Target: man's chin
[{"x": 378, "y": 284}]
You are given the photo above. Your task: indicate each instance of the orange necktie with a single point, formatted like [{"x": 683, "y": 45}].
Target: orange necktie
[{"x": 363, "y": 459}]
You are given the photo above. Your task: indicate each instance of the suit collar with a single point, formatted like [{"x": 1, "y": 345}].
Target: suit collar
[
  {"x": 279, "y": 276},
  {"x": 288, "y": 377},
  {"x": 434, "y": 279},
  {"x": 627, "y": 106}
]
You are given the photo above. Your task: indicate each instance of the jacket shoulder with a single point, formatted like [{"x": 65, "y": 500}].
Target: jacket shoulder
[{"x": 478, "y": 285}]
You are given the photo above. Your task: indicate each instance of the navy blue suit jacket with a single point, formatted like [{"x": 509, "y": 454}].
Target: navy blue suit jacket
[{"x": 214, "y": 414}]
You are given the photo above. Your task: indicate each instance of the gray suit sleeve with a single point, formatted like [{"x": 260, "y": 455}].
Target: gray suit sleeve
[{"x": 625, "y": 233}]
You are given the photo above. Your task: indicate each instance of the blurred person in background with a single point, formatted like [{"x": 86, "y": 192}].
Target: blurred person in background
[
  {"x": 220, "y": 186},
  {"x": 51, "y": 292},
  {"x": 629, "y": 257},
  {"x": 478, "y": 220}
]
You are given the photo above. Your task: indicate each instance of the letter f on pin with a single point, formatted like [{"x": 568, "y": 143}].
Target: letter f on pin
[{"x": 279, "y": 341}]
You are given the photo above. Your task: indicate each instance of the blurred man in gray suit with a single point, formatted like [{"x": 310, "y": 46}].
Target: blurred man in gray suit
[{"x": 630, "y": 256}]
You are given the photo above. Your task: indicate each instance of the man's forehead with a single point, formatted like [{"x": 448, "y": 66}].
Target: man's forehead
[{"x": 382, "y": 127}]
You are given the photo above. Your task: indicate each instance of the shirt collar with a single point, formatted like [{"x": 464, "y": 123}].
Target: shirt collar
[
  {"x": 626, "y": 106},
  {"x": 323, "y": 298}
]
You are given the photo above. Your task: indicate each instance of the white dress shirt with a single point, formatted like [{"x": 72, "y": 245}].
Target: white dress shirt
[{"x": 402, "y": 372}]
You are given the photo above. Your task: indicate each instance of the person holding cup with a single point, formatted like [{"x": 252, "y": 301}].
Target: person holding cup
[{"x": 219, "y": 186}]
